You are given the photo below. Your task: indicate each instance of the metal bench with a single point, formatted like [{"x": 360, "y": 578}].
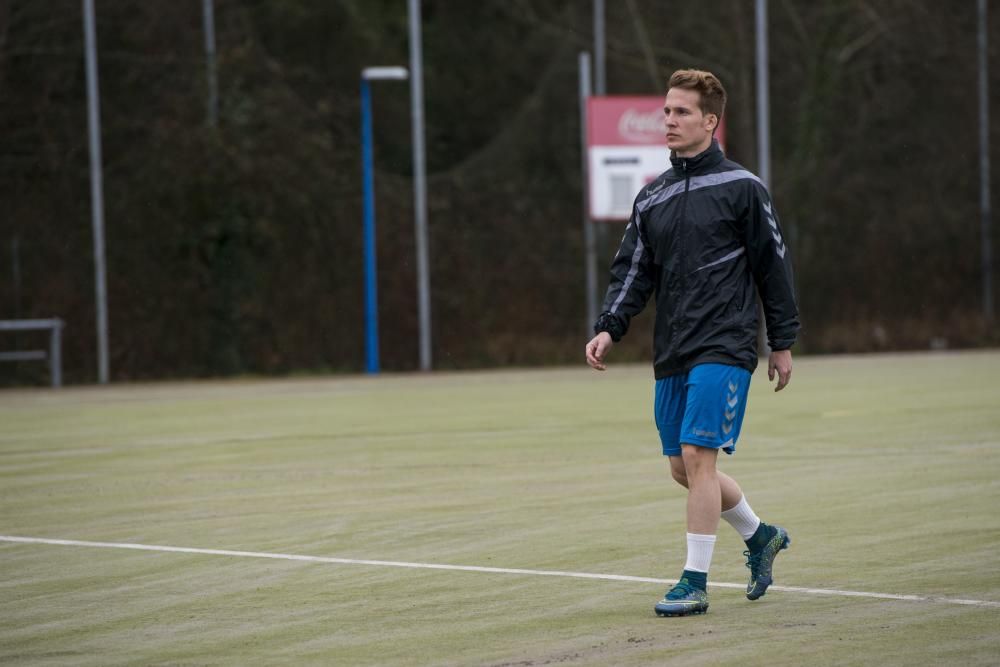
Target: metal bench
[{"x": 54, "y": 353}]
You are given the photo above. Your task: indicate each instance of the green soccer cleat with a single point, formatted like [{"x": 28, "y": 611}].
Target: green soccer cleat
[
  {"x": 761, "y": 562},
  {"x": 681, "y": 600}
]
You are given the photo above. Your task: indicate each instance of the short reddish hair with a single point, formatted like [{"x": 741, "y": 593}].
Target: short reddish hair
[{"x": 713, "y": 95}]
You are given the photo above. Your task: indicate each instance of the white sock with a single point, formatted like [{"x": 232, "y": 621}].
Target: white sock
[
  {"x": 700, "y": 549},
  {"x": 742, "y": 518}
]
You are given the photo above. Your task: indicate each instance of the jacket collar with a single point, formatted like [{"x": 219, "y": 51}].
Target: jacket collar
[{"x": 704, "y": 160}]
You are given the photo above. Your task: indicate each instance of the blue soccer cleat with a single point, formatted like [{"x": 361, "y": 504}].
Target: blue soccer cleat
[
  {"x": 761, "y": 562},
  {"x": 681, "y": 600}
]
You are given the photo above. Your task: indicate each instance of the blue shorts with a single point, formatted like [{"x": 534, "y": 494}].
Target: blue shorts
[{"x": 702, "y": 407}]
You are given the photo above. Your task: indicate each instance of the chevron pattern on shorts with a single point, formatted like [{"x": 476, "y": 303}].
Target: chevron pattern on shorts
[{"x": 732, "y": 400}]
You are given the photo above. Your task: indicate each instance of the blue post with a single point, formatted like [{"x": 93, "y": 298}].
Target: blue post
[{"x": 368, "y": 176}]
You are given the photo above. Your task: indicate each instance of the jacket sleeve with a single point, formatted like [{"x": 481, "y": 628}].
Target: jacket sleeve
[
  {"x": 771, "y": 264},
  {"x": 632, "y": 281}
]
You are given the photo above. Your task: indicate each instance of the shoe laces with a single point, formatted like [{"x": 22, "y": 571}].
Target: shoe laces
[
  {"x": 753, "y": 560},
  {"x": 681, "y": 590}
]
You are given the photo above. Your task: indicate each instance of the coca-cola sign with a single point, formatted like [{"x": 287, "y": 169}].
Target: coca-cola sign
[
  {"x": 640, "y": 126},
  {"x": 628, "y": 121},
  {"x": 618, "y": 121}
]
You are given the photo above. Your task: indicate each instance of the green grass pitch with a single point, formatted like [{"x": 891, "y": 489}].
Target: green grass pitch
[{"x": 884, "y": 469}]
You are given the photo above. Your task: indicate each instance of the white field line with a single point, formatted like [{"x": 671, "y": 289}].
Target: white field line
[{"x": 476, "y": 568}]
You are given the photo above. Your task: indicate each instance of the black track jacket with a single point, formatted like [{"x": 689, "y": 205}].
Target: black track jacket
[{"x": 701, "y": 236}]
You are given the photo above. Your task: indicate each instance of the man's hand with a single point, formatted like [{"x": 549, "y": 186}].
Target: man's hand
[
  {"x": 780, "y": 361},
  {"x": 597, "y": 349}
]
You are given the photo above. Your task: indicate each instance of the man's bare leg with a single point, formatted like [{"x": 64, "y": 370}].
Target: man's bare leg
[
  {"x": 735, "y": 508},
  {"x": 731, "y": 491},
  {"x": 704, "y": 503}
]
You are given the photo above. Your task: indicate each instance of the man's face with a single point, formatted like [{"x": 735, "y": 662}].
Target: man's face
[{"x": 689, "y": 131}]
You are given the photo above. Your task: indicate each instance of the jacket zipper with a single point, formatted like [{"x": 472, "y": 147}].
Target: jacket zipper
[{"x": 683, "y": 228}]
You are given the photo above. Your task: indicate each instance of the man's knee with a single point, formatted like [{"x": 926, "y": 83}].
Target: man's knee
[{"x": 698, "y": 461}]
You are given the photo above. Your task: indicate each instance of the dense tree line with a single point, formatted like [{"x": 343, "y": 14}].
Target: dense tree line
[{"x": 237, "y": 248}]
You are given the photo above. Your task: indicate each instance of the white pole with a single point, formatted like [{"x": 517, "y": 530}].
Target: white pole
[
  {"x": 420, "y": 185},
  {"x": 96, "y": 188}
]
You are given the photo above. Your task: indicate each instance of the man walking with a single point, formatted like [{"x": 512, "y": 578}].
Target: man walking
[{"x": 704, "y": 237}]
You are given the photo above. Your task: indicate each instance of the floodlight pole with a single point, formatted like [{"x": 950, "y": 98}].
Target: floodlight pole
[
  {"x": 763, "y": 106},
  {"x": 763, "y": 135},
  {"x": 368, "y": 179},
  {"x": 984, "y": 168},
  {"x": 600, "y": 90},
  {"x": 589, "y": 240},
  {"x": 420, "y": 184},
  {"x": 96, "y": 188}
]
